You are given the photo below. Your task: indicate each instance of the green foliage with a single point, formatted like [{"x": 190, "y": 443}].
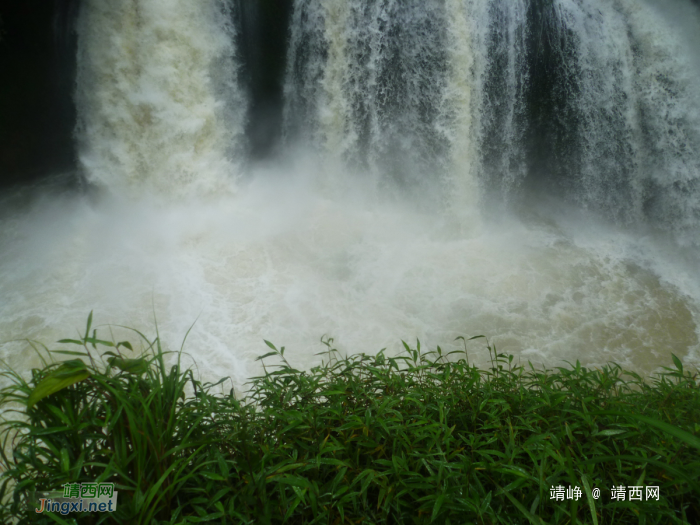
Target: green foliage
[
  {"x": 66, "y": 374},
  {"x": 422, "y": 437}
]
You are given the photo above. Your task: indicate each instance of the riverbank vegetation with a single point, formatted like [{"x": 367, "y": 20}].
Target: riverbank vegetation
[{"x": 423, "y": 437}]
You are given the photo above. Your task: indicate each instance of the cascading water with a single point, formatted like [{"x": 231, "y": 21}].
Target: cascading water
[
  {"x": 159, "y": 103},
  {"x": 625, "y": 89},
  {"x": 503, "y": 96},
  {"x": 386, "y": 87},
  {"x": 598, "y": 98},
  {"x": 406, "y": 122}
]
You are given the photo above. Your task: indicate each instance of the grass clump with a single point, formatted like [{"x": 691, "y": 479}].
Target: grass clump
[{"x": 423, "y": 437}]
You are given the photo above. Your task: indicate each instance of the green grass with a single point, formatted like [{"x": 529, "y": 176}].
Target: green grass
[{"x": 424, "y": 437}]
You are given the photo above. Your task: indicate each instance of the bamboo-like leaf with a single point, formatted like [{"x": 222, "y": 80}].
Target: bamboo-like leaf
[
  {"x": 531, "y": 518},
  {"x": 132, "y": 366},
  {"x": 125, "y": 344},
  {"x": 65, "y": 460},
  {"x": 610, "y": 432},
  {"x": 677, "y": 362},
  {"x": 290, "y": 447},
  {"x": 436, "y": 508},
  {"x": 94, "y": 341},
  {"x": 70, "y": 352},
  {"x": 89, "y": 324},
  {"x": 591, "y": 501},
  {"x": 684, "y": 436},
  {"x": 70, "y": 372},
  {"x": 70, "y": 341}
]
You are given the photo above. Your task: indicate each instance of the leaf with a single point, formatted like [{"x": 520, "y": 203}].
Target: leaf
[
  {"x": 285, "y": 468},
  {"x": 65, "y": 460},
  {"x": 535, "y": 520},
  {"x": 70, "y": 352},
  {"x": 89, "y": 324},
  {"x": 591, "y": 501},
  {"x": 610, "y": 432},
  {"x": 676, "y": 432},
  {"x": 125, "y": 344},
  {"x": 223, "y": 467},
  {"x": 70, "y": 341},
  {"x": 534, "y": 505},
  {"x": 681, "y": 476},
  {"x": 213, "y": 476},
  {"x": 678, "y": 363},
  {"x": 438, "y": 503},
  {"x": 68, "y": 373},
  {"x": 130, "y": 366},
  {"x": 94, "y": 341}
]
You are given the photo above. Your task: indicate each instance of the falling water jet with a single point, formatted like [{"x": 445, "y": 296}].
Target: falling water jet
[{"x": 159, "y": 105}]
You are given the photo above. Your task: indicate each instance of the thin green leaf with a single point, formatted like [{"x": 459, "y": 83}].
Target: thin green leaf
[
  {"x": 131, "y": 366},
  {"x": 67, "y": 374},
  {"x": 678, "y": 433}
]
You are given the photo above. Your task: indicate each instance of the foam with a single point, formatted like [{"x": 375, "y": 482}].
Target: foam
[{"x": 284, "y": 261}]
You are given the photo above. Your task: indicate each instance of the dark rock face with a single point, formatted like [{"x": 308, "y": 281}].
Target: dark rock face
[
  {"x": 263, "y": 34},
  {"x": 37, "y": 115}
]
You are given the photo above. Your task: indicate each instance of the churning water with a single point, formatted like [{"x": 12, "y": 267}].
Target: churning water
[{"x": 520, "y": 169}]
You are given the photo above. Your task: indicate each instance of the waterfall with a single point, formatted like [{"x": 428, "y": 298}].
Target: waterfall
[
  {"x": 523, "y": 169},
  {"x": 159, "y": 105},
  {"x": 627, "y": 110},
  {"x": 594, "y": 99},
  {"x": 363, "y": 84},
  {"x": 503, "y": 97}
]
